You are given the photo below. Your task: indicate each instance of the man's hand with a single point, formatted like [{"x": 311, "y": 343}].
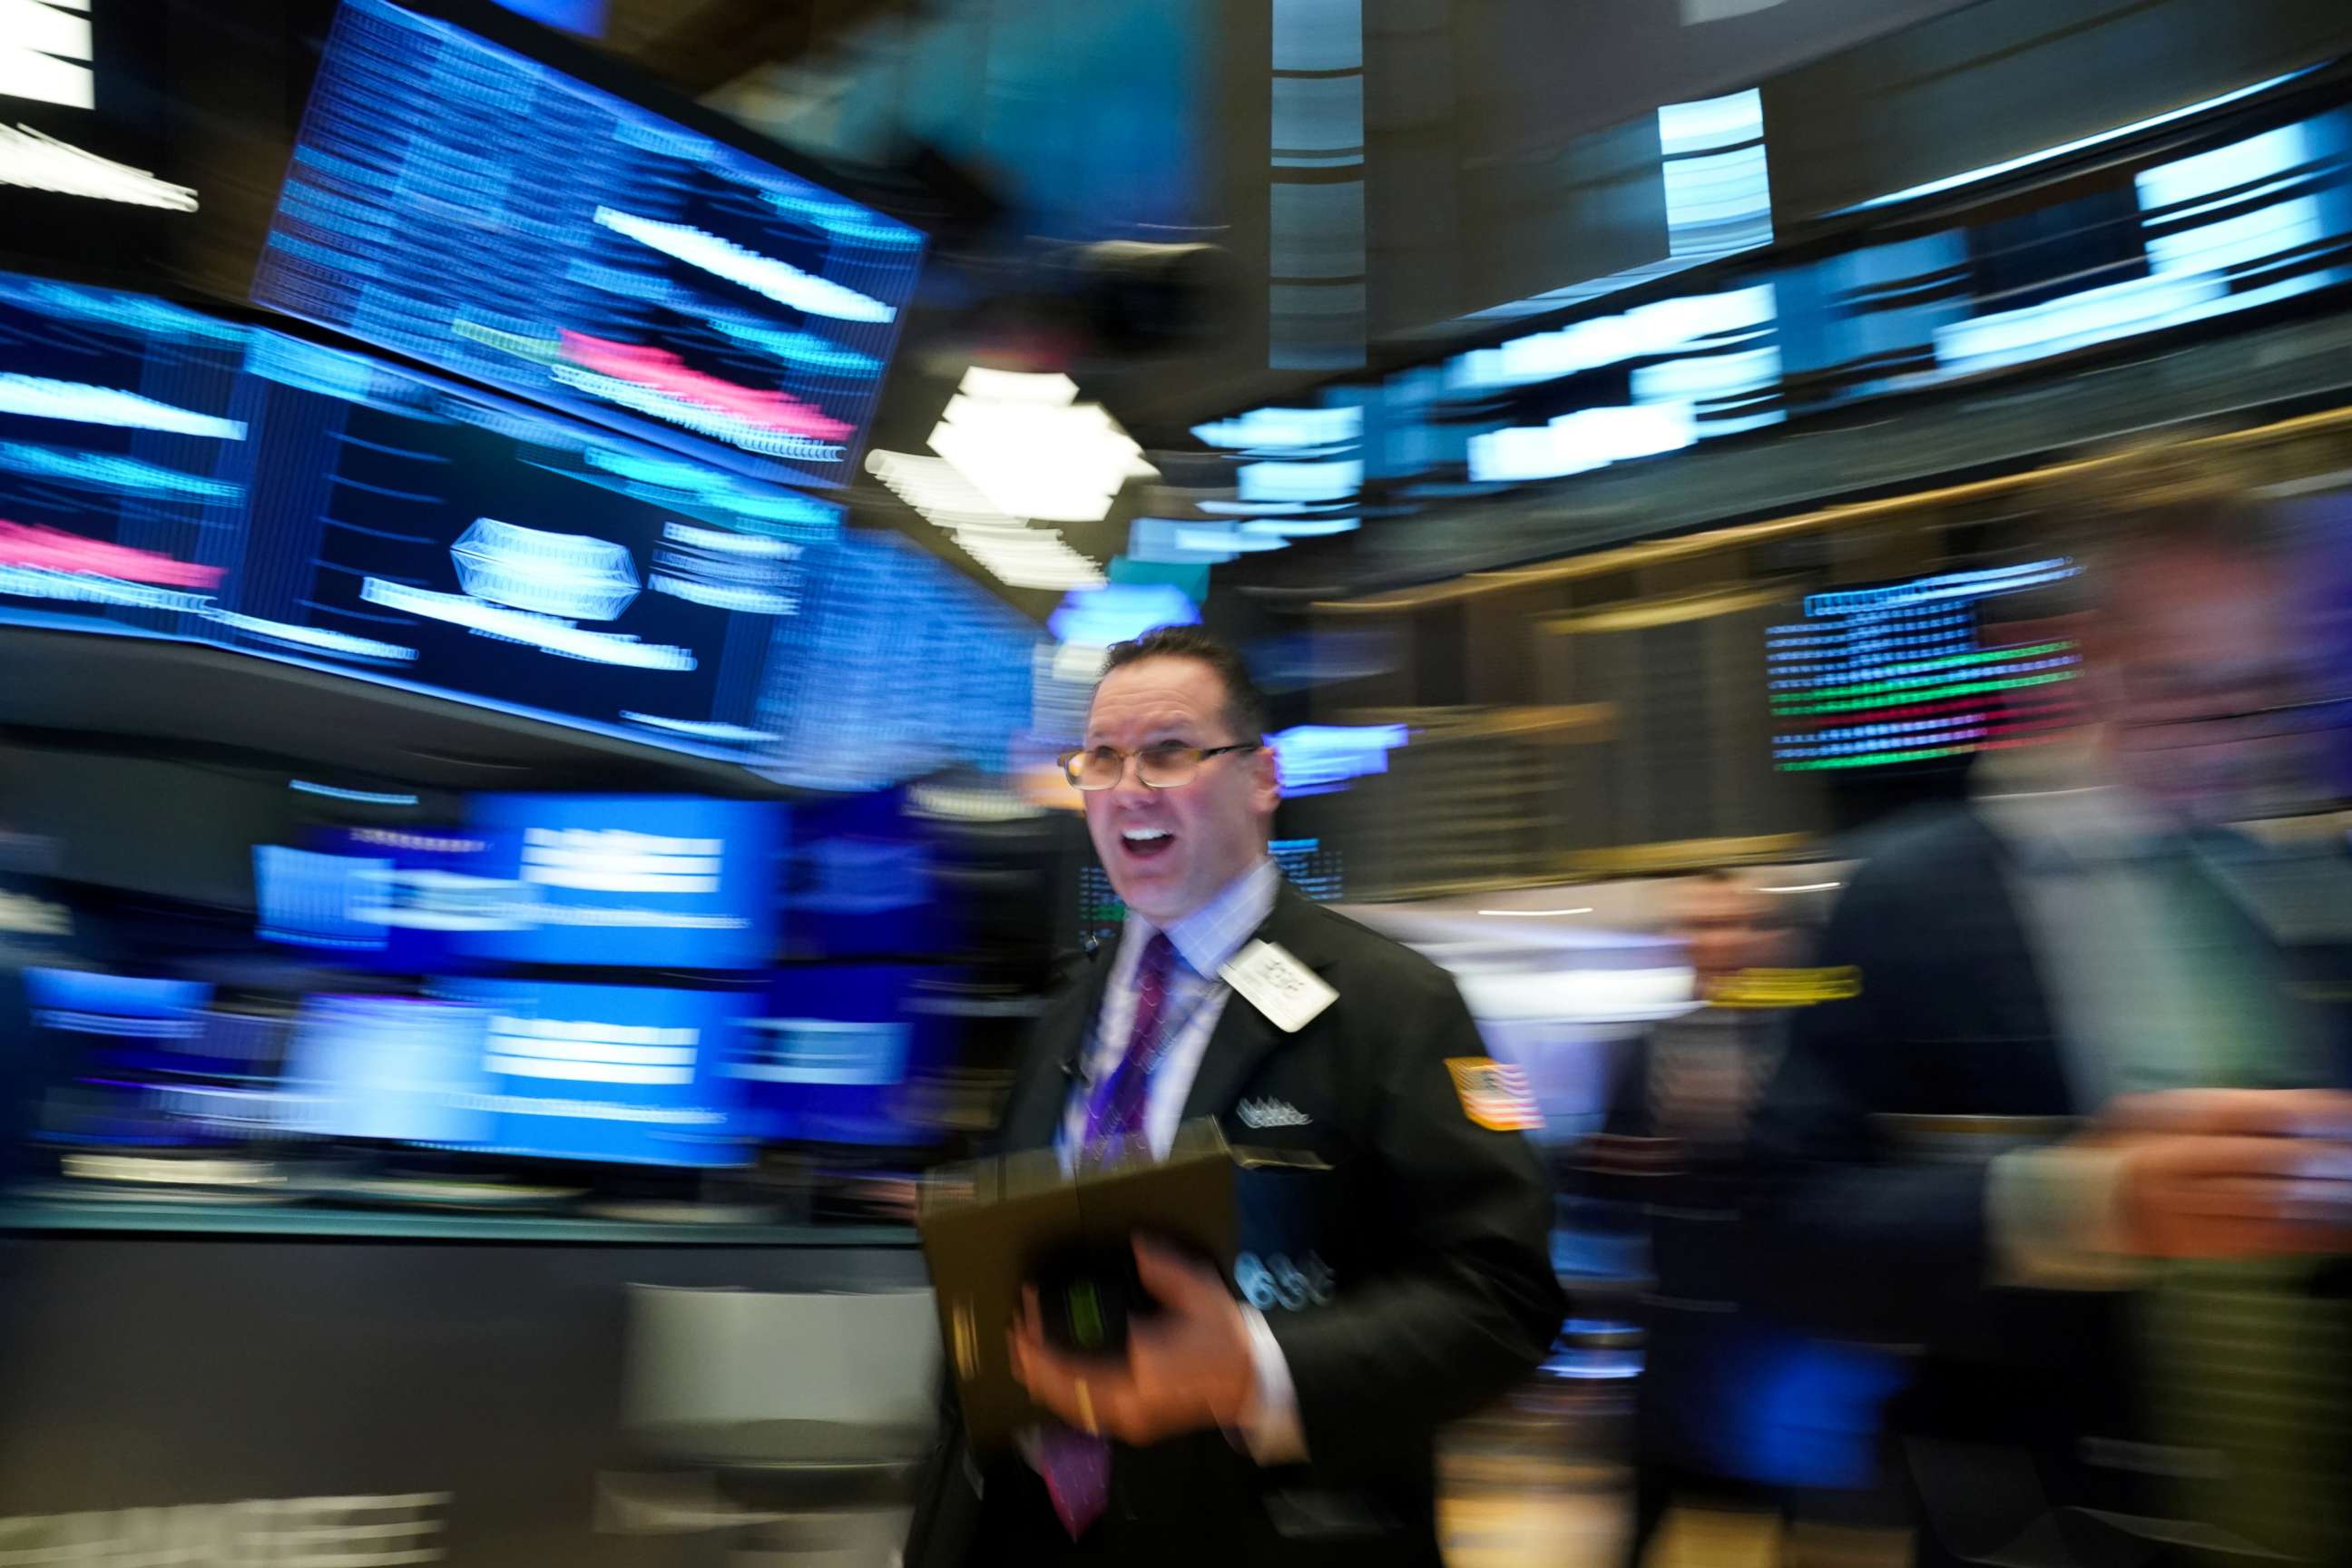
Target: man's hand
[
  {"x": 2215, "y": 1173},
  {"x": 1187, "y": 1367}
]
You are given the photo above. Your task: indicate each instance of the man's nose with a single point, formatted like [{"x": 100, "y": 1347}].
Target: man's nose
[{"x": 1130, "y": 789}]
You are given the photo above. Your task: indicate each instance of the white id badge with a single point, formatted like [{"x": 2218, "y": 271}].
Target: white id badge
[{"x": 1289, "y": 994}]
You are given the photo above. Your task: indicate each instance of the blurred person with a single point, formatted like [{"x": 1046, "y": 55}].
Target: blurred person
[
  {"x": 1733, "y": 1412},
  {"x": 1301, "y": 1434},
  {"x": 2078, "y": 1140}
]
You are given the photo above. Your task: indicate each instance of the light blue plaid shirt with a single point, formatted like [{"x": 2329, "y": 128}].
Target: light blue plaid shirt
[{"x": 1206, "y": 941}]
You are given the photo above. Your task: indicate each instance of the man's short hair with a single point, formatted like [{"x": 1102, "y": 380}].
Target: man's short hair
[{"x": 1246, "y": 707}]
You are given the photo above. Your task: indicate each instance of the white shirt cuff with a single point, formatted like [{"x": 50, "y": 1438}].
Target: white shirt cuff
[
  {"x": 1270, "y": 1428},
  {"x": 2051, "y": 1213}
]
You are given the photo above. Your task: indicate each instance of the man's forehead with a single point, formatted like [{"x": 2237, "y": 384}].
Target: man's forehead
[
  {"x": 1155, "y": 692},
  {"x": 1713, "y": 899}
]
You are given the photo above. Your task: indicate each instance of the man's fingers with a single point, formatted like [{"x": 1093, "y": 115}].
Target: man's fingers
[
  {"x": 2237, "y": 1197},
  {"x": 2239, "y": 1112},
  {"x": 2262, "y": 1158},
  {"x": 1174, "y": 1281},
  {"x": 1091, "y": 1395}
]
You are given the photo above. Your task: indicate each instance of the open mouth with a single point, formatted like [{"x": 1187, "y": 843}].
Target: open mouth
[{"x": 1146, "y": 843}]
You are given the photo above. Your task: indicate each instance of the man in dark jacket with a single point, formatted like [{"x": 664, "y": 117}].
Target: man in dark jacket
[
  {"x": 1405, "y": 1283},
  {"x": 2071, "y": 1144},
  {"x": 1733, "y": 1411}
]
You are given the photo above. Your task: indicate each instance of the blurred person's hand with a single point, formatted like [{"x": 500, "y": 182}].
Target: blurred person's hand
[
  {"x": 1188, "y": 1366},
  {"x": 2221, "y": 1174},
  {"x": 2247, "y": 1112}
]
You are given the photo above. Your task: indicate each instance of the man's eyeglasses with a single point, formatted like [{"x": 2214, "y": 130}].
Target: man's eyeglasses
[
  {"x": 2266, "y": 723},
  {"x": 1165, "y": 765}
]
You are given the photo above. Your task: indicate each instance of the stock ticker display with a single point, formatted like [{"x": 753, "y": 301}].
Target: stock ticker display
[
  {"x": 479, "y": 210},
  {"x": 165, "y": 473},
  {"x": 1904, "y": 672}
]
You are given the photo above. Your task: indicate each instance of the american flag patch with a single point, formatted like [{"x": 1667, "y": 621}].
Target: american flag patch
[{"x": 1494, "y": 1094}]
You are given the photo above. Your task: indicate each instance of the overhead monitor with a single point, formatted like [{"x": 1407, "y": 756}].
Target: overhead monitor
[
  {"x": 635, "y": 881},
  {"x": 114, "y": 1048},
  {"x": 834, "y": 1051},
  {"x": 483, "y": 211},
  {"x": 166, "y": 473},
  {"x": 399, "y": 1070},
  {"x": 611, "y": 1073},
  {"x": 396, "y": 898}
]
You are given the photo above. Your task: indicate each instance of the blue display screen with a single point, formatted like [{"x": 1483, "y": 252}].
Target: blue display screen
[
  {"x": 831, "y": 1054},
  {"x": 861, "y": 883},
  {"x": 165, "y": 473},
  {"x": 399, "y": 900},
  {"x": 608, "y": 1072},
  {"x": 644, "y": 881},
  {"x": 127, "y": 1048},
  {"x": 395, "y": 1069},
  {"x": 483, "y": 212}
]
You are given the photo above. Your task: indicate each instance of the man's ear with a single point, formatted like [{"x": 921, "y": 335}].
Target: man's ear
[{"x": 1265, "y": 778}]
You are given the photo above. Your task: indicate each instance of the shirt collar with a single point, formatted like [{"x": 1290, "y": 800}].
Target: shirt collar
[
  {"x": 1207, "y": 939},
  {"x": 2056, "y": 807}
]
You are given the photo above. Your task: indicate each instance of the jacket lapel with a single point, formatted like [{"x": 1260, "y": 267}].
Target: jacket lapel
[
  {"x": 1035, "y": 1115},
  {"x": 1243, "y": 1038}
]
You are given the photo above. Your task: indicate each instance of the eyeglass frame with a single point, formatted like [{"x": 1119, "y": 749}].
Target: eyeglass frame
[
  {"x": 1199, "y": 755},
  {"x": 2190, "y": 722}
]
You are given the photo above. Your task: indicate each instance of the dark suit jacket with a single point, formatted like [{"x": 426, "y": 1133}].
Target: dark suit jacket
[
  {"x": 1429, "y": 1240},
  {"x": 1879, "y": 1234}
]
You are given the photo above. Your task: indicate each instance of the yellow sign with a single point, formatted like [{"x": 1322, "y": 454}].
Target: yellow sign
[{"x": 1787, "y": 987}]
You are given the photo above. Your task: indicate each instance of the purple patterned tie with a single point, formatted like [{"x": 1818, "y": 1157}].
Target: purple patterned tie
[{"x": 1077, "y": 1465}]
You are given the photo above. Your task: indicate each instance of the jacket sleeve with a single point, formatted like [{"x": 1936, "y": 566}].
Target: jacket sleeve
[{"x": 1471, "y": 1305}]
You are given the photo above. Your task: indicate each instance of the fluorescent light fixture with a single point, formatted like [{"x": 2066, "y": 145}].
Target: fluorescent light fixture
[
  {"x": 1536, "y": 914},
  {"x": 1804, "y": 888},
  {"x": 45, "y": 53},
  {"x": 1003, "y": 545},
  {"x": 40, "y": 162},
  {"x": 2067, "y": 148},
  {"x": 1027, "y": 445}
]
